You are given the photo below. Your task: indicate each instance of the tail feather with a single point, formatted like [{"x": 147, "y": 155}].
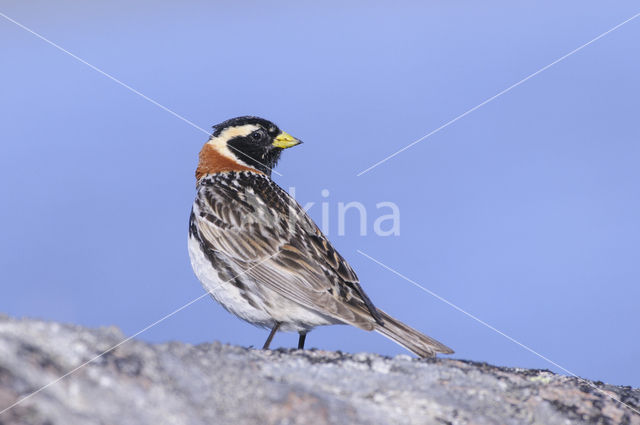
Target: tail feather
[{"x": 409, "y": 338}]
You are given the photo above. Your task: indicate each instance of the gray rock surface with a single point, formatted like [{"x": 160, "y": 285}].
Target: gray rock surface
[{"x": 176, "y": 383}]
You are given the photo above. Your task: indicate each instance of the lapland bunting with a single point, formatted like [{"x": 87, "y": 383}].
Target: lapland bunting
[{"x": 261, "y": 256}]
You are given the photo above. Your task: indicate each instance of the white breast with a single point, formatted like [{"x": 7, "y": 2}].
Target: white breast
[{"x": 228, "y": 295}]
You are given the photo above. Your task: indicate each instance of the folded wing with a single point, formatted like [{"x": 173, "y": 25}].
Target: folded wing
[{"x": 267, "y": 234}]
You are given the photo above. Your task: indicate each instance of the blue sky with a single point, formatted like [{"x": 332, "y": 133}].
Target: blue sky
[{"x": 524, "y": 213}]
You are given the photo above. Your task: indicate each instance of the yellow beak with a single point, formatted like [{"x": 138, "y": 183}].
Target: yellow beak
[{"x": 285, "y": 140}]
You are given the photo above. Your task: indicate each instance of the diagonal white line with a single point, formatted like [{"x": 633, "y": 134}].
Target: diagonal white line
[
  {"x": 494, "y": 329},
  {"x": 131, "y": 337},
  {"x": 448, "y": 123},
  {"x": 126, "y": 86}
]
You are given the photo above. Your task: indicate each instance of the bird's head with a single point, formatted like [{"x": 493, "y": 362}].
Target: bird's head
[{"x": 244, "y": 143}]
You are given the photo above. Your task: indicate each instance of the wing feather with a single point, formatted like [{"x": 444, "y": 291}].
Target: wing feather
[{"x": 265, "y": 232}]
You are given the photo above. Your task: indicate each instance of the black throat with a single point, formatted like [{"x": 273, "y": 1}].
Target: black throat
[{"x": 262, "y": 158}]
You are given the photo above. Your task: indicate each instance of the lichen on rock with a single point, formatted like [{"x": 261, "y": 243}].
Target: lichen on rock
[{"x": 175, "y": 383}]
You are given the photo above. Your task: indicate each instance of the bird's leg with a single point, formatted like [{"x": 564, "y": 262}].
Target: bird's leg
[
  {"x": 303, "y": 336},
  {"x": 271, "y": 334}
]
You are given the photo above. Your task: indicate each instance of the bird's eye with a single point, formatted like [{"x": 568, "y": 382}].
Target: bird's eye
[{"x": 256, "y": 135}]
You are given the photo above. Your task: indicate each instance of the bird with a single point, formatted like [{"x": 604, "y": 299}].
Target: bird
[{"x": 260, "y": 255}]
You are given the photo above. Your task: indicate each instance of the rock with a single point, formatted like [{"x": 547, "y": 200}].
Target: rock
[{"x": 175, "y": 383}]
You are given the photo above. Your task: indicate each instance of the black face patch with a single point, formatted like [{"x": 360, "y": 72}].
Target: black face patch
[
  {"x": 255, "y": 149},
  {"x": 259, "y": 154}
]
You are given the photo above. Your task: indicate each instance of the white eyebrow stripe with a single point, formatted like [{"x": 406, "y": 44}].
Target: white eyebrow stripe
[{"x": 238, "y": 131}]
